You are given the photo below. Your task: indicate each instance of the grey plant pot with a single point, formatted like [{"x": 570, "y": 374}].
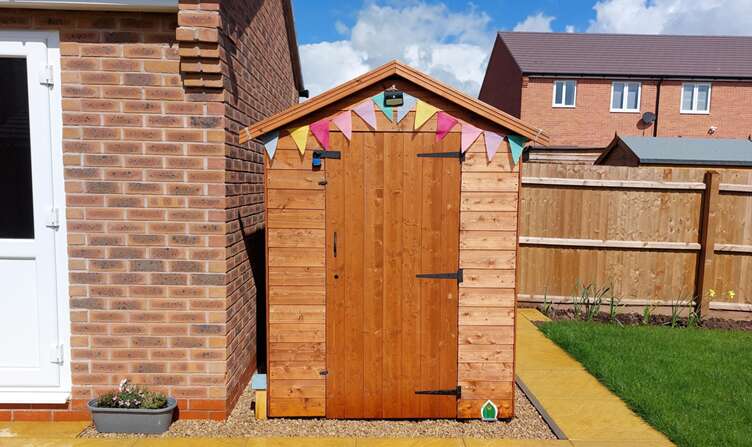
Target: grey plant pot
[{"x": 122, "y": 420}]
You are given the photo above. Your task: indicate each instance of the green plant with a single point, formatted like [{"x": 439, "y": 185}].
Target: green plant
[
  {"x": 547, "y": 305},
  {"x": 677, "y": 308},
  {"x": 594, "y": 300},
  {"x": 577, "y": 301},
  {"x": 647, "y": 313},
  {"x": 613, "y": 306},
  {"x": 131, "y": 396},
  {"x": 587, "y": 300},
  {"x": 694, "y": 319}
]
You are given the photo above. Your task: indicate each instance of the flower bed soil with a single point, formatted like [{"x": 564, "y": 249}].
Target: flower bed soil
[{"x": 631, "y": 319}]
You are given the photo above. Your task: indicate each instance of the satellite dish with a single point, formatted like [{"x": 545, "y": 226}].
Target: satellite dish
[{"x": 648, "y": 117}]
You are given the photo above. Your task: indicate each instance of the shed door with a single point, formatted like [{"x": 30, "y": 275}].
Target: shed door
[{"x": 391, "y": 215}]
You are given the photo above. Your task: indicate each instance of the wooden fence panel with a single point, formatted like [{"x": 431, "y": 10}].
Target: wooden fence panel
[{"x": 638, "y": 229}]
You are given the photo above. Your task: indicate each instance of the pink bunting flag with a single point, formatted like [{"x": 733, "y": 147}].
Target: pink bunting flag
[
  {"x": 444, "y": 123},
  {"x": 493, "y": 141},
  {"x": 470, "y": 133},
  {"x": 320, "y": 130},
  {"x": 365, "y": 111},
  {"x": 343, "y": 121}
]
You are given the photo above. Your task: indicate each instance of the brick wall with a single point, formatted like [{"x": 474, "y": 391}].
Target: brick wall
[
  {"x": 591, "y": 124},
  {"x": 503, "y": 89},
  {"x": 160, "y": 285},
  {"x": 258, "y": 82},
  {"x": 730, "y": 111}
]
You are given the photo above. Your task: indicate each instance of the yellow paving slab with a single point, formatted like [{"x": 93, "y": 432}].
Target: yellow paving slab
[
  {"x": 469, "y": 442},
  {"x": 584, "y": 409},
  {"x": 51, "y": 442},
  {"x": 565, "y": 384},
  {"x": 41, "y": 429},
  {"x": 190, "y": 442},
  {"x": 410, "y": 442},
  {"x": 301, "y": 442},
  {"x": 621, "y": 444}
]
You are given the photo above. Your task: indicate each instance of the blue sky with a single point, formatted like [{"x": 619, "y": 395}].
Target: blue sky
[
  {"x": 452, "y": 39},
  {"x": 314, "y": 19}
]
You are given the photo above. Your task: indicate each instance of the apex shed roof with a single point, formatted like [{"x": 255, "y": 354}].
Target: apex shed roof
[
  {"x": 631, "y": 54},
  {"x": 394, "y": 68},
  {"x": 686, "y": 151}
]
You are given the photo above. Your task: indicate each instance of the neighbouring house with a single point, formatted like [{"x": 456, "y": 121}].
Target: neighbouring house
[
  {"x": 677, "y": 151},
  {"x": 131, "y": 245},
  {"x": 584, "y": 88}
]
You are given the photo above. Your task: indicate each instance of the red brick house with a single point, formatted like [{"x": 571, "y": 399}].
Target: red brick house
[
  {"x": 585, "y": 88},
  {"x": 128, "y": 246}
]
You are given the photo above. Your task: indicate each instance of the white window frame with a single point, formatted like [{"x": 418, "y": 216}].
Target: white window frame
[
  {"x": 625, "y": 89},
  {"x": 563, "y": 105},
  {"x": 694, "y": 110}
]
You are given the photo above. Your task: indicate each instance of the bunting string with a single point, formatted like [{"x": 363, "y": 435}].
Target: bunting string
[{"x": 366, "y": 110}]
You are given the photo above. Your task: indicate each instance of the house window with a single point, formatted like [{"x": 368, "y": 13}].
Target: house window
[
  {"x": 564, "y": 93},
  {"x": 625, "y": 96},
  {"x": 695, "y": 97}
]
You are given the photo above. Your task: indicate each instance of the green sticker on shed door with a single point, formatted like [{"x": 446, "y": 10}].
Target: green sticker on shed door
[{"x": 489, "y": 412}]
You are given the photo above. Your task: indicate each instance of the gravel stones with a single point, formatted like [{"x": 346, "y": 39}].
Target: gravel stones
[{"x": 528, "y": 424}]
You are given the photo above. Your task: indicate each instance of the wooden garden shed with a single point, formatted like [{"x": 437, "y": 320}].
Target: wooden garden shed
[{"x": 391, "y": 252}]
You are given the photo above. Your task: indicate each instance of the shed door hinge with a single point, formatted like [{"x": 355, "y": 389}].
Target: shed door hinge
[
  {"x": 53, "y": 220},
  {"x": 458, "y": 275},
  {"x": 458, "y": 155},
  {"x": 57, "y": 354},
  {"x": 457, "y": 392},
  {"x": 47, "y": 76}
]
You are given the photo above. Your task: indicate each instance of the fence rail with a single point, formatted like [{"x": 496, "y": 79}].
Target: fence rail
[{"x": 655, "y": 234}]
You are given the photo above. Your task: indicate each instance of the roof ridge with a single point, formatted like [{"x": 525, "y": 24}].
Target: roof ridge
[{"x": 585, "y": 33}]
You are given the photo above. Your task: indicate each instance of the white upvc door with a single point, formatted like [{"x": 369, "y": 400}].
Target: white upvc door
[{"x": 31, "y": 349}]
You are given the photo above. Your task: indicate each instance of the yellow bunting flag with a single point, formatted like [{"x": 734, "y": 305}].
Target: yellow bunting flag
[
  {"x": 300, "y": 137},
  {"x": 423, "y": 111}
]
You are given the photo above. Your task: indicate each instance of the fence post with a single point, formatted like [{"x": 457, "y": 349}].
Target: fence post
[{"x": 708, "y": 229}]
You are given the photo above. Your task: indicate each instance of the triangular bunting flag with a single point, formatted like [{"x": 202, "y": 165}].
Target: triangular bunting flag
[
  {"x": 493, "y": 140},
  {"x": 444, "y": 123},
  {"x": 379, "y": 100},
  {"x": 343, "y": 121},
  {"x": 270, "y": 141},
  {"x": 470, "y": 133},
  {"x": 516, "y": 142},
  {"x": 423, "y": 111},
  {"x": 300, "y": 137},
  {"x": 408, "y": 104},
  {"x": 320, "y": 130},
  {"x": 365, "y": 111}
]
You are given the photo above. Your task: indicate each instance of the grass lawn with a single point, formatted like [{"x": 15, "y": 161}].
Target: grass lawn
[{"x": 694, "y": 385}]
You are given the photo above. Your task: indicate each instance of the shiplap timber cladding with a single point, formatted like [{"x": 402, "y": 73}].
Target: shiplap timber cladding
[
  {"x": 637, "y": 229},
  {"x": 473, "y": 327}
]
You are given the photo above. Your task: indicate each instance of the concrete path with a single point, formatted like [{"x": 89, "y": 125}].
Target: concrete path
[{"x": 586, "y": 411}]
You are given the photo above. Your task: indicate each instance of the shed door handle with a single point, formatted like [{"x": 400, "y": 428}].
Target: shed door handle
[{"x": 334, "y": 244}]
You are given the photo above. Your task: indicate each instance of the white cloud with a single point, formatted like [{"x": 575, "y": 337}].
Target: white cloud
[
  {"x": 327, "y": 64},
  {"x": 341, "y": 28},
  {"x": 672, "y": 16},
  {"x": 536, "y": 22},
  {"x": 570, "y": 29},
  {"x": 450, "y": 45}
]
